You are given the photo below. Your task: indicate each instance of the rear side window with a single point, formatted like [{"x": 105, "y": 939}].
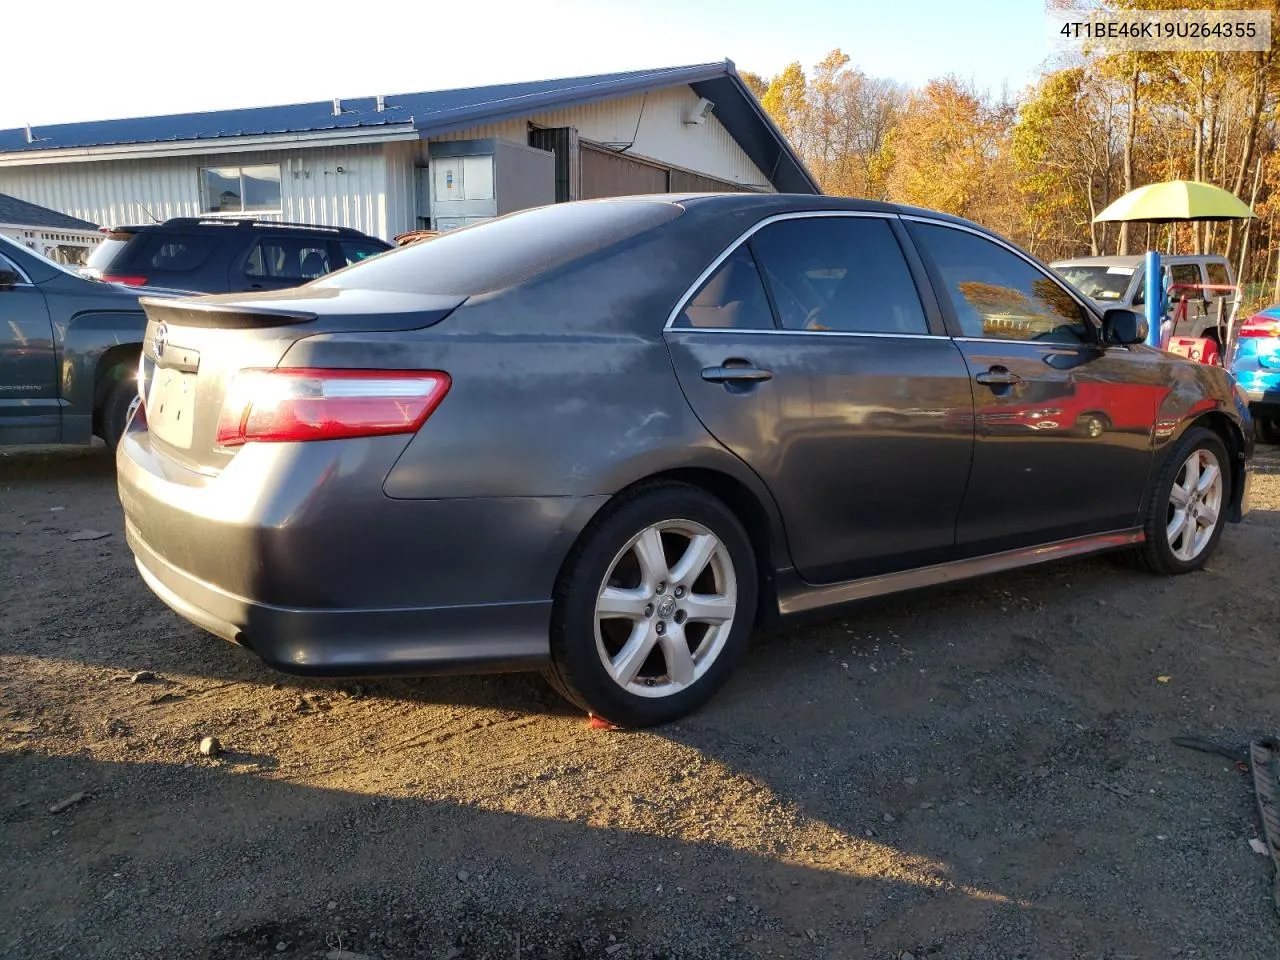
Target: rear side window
[
  {"x": 288, "y": 258},
  {"x": 505, "y": 251},
  {"x": 166, "y": 252},
  {"x": 1218, "y": 277},
  {"x": 1187, "y": 273},
  {"x": 733, "y": 297},
  {"x": 843, "y": 274}
]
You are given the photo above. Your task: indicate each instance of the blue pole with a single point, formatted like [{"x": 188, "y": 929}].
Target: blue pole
[{"x": 1154, "y": 297}]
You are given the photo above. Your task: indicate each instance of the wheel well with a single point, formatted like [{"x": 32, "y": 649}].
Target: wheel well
[
  {"x": 114, "y": 365},
  {"x": 747, "y": 508}
]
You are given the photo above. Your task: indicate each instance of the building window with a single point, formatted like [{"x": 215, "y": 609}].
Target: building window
[{"x": 253, "y": 189}]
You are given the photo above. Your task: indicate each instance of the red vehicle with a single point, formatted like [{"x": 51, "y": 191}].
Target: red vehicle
[{"x": 1072, "y": 408}]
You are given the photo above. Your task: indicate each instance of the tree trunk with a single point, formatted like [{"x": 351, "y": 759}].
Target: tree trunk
[
  {"x": 1257, "y": 102},
  {"x": 1244, "y": 241},
  {"x": 1131, "y": 128},
  {"x": 1093, "y": 227}
]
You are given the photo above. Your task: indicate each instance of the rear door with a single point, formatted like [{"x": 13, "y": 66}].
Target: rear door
[
  {"x": 1063, "y": 425},
  {"x": 808, "y": 352},
  {"x": 280, "y": 262},
  {"x": 29, "y": 410}
]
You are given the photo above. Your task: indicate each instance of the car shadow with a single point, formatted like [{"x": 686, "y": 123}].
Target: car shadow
[{"x": 233, "y": 864}]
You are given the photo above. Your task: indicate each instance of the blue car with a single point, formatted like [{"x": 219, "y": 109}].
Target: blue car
[{"x": 1255, "y": 363}]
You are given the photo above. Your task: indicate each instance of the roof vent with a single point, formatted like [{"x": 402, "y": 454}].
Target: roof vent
[
  {"x": 382, "y": 103},
  {"x": 337, "y": 106}
]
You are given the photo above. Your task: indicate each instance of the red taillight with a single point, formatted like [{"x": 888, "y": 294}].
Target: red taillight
[
  {"x": 277, "y": 406},
  {"x": 1260, "y": 325},
  {"x": 118, "y": 278}
]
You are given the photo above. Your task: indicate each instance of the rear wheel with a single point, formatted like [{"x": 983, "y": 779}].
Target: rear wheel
[
  {"x": 1189, "y": 505},
  {"x": 654, "y": 606},
  {"x": 113, "y": 416},
  {"x": 1266, "y": 430}
]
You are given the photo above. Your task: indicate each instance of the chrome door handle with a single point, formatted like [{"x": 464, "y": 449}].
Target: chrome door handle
[
  {"x": 735, "y": 374},
  {"x": 998, "y": 377}
]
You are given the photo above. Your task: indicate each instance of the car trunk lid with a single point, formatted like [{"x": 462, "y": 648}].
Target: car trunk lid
[{"x": 194, "y": 347}]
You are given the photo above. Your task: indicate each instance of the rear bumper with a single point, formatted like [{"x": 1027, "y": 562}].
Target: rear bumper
[
  {"x": 473, "y": 638},
  {"x": 295, "y": 552}
]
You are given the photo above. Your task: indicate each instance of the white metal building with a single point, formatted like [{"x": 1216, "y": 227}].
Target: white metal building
[
  {"x": 389, "y": 164},
  {"x": 59, "y": 237}
]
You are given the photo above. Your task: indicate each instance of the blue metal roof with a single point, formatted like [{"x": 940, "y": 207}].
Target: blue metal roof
[
  {"x": 23, "y": 214},
  {"x": 440, "y": 111}
]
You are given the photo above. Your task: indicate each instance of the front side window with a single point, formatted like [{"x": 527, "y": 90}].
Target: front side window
[
  {"x": 354, "y": 251},
  {"x": 732, "y": 297},
  {"x": 287, "y": 258},
  {"x": 252, "y": 189},
  {"x": 998, "y": 295},
  {"x": 842, "y": 274},
  {"x": 8, "y": 266}
]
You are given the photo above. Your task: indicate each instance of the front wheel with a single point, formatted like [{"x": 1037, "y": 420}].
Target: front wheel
[
  {"x": 1188, "y": 506},
  {"x": 654, "y": 606}
]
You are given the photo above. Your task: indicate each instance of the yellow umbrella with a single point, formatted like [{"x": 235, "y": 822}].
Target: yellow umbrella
[{"x": 1176, "y": 200}]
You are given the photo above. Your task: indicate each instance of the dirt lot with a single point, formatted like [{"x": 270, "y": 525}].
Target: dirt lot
[{"x": 981, "y": 772}]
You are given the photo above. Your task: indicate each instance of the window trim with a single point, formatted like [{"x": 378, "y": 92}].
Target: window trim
[
  {"x": 949, "y": 311},
  {"x": 242, "y": 213},
  {"x": 669, "y": 326}
]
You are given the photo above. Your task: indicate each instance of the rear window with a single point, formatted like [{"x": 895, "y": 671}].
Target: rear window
[
  {"x": 106, "y": 251},
  {"x": 505, "y": 251},
  {"x": 167, "y": 252}
]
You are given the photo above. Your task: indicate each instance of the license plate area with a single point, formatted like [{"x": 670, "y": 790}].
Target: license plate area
[{"x": 171, "y": 404}]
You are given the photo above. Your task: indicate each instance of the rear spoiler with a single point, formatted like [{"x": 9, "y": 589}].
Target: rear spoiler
[{"x": 193, "y": 313}]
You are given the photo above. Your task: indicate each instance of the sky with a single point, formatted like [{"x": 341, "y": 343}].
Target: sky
[{"x": 71, "y": 60}]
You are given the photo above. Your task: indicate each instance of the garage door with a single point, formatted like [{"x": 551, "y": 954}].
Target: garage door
[{"x": 607, "y": 174}]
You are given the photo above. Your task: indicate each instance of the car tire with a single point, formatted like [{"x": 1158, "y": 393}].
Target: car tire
[
  {"x": 1171, "y": 549},
  {"x": 678, "y": 633},
  {"x": 114, "y": 413},
  {"x": 1092, "y": 425},
  {"x": 1266, "y": 430}
]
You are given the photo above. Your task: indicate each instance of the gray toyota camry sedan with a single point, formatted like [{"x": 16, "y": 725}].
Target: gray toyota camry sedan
[{"x": 607, "y": 439}]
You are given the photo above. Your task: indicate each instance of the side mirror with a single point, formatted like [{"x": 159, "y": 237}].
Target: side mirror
[
  {"x": 8, "y": 278},
  {"x": 1122, "y": 327}
]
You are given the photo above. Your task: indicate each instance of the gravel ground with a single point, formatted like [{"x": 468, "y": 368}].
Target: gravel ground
[{"x": 984, "y": 771}]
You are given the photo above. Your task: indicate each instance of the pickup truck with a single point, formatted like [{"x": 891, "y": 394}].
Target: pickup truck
[{"x": 69, "y": 349}]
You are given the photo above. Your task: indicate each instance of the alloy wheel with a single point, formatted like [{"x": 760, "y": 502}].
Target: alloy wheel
[
  {"x": 1195, "y": 503},
  {"x": 666, "y": 608}
]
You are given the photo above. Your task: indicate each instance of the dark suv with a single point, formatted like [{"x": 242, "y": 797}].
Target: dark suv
[{"x": 224, "y": 256}]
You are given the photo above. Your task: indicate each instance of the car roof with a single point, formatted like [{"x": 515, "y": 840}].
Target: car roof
[{"x": 228, "y": 224}]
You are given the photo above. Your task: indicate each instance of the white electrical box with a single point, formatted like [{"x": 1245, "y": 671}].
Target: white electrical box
[{"x": 474, "y": 180}]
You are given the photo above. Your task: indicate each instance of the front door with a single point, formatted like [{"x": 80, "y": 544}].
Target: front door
[
  {"x": 1063, "y": 439},
  {"x": 29, "y": 410},
  {"x": 807, "y": 353}
]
